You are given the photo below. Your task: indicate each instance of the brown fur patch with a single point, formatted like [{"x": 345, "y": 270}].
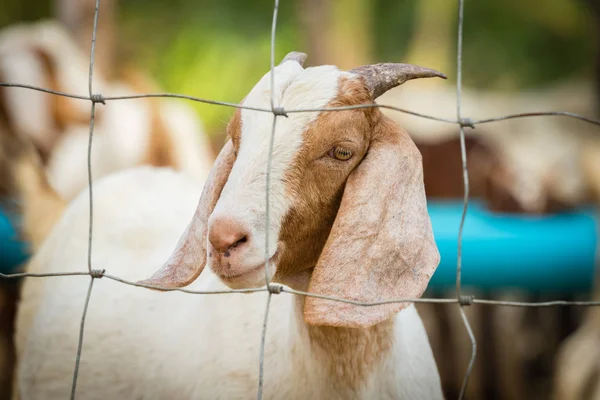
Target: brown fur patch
[
  {"x": 7, "y": 149},
  {"x": 63, "y": 113},
  {"x": 161, "y": 151},
  {"x": 351, "y": 354},
  {"x": 316, "y": 186},
  {"x": 41, "y": 205},
  {"x": 234, "y": 129},
  {"x": 442, "y": 167},
  {"x": 381, "y": 246}
]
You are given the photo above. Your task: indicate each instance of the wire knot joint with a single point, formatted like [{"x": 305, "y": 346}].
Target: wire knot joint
[
  {"x": 97, "y": 273},
  {"x": 465, "y": 300},
  {"x": 466, "y": 123},
  {"x": 97, "y": 98},
  {"x": 279, "y": 111},
  {"x": 274, "y": 288}
]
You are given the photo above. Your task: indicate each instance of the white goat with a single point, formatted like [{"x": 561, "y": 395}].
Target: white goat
[
  {"x": 348, "y": 219},
  {"x": 127, "y": 134},
  {"x": 538, "y": 157}
]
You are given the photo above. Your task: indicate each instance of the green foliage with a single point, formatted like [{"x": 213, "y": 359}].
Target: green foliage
[
  {"x": 508, "y": 44},
  {"x": 12, "y": 11},
  {"x": 395, "y": 23},
  {"x": 213, "y": 50},
  {"x": 517, "y": 44}
]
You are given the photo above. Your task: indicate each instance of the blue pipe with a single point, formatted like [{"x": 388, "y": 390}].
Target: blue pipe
[
  {"x": 547, "y": 253},
  {"x": 13, "y": 252},
  {"x": 553, "y": 253}
]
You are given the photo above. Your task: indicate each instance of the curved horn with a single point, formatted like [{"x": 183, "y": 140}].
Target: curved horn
[
  {"x": 382, "y": 77},
  {"x": 294, "y": 56}
]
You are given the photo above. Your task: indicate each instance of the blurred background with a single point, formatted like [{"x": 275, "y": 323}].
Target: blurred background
[
  {"x": 531, "y": 230},
  {"x": 219, "y": 49}
]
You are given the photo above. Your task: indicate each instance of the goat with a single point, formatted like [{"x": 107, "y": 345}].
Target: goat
[
  {"x": 44, "y": 139},
  {"x": 148, "y": 131},
  {"x": 348, "y": 219}
]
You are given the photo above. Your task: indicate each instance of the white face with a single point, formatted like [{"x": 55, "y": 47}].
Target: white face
[{"x": 237, "y": 226}]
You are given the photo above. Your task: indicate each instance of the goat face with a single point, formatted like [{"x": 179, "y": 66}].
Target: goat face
[{"x": 347, "y": 202}]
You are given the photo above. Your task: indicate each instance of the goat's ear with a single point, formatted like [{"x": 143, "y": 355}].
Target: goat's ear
[
  {"x": 189, "y": 258},
  {"x": 381, "y": 246}
]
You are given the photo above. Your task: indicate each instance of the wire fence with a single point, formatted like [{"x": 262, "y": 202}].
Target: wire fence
[{"x": 274, "y": 288}]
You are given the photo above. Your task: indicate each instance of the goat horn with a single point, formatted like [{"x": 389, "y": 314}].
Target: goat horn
[
  {"x": 295, "y": 56},
  {"x": 382, "y": 77}
]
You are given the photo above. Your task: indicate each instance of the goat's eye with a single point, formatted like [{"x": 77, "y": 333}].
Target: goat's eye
[{"x": 339, "y": 153}]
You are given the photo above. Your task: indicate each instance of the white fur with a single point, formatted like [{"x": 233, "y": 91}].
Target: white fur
[
  {"x": 123, "y": 129},
  {"x": 142, "y": 344},
  {"x": 295, "y": 88}
]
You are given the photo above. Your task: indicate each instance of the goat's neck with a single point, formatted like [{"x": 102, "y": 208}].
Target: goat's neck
[{"x": 348, "y": 354}]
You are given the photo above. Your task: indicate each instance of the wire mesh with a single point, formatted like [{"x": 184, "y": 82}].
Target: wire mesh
[{"x": 274, "y": 288}]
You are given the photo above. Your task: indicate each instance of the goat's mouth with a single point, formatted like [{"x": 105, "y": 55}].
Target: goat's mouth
[{"x": 250, "y": 277}]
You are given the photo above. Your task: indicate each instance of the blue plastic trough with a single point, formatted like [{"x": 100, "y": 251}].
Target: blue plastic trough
[
  {"x": 549, "y": 253},
  {"x": 542, "y": 254}
]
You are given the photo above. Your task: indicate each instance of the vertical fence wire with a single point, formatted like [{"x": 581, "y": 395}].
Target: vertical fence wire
[
  {"x": 270, "y": 288},
  {"x": 91, "y": 203},
  {"x": 80, "y": 340},
  {"x": 263, "y": 335},
  {"x": 465, "y": 170}
]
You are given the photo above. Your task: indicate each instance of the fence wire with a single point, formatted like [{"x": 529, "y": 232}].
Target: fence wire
[{"x": 274, "y": 288}]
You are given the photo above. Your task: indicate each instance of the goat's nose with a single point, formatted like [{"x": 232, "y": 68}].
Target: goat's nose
[{"x": 226, "y": 234}]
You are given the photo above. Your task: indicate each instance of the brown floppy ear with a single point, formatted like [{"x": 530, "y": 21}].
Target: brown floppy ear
[
  {"x": 189, "y": 258},
  {"x": 381, "y": 246}
]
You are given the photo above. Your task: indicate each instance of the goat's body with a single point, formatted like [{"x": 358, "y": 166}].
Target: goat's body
[{"x": 143, "y": 344}]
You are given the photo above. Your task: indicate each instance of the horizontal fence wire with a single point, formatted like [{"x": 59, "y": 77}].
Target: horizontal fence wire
[
  {"x": 466, "y": 122},
  {"x": 277, "y": 288},
  {"x": 274, "y": 288}
]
